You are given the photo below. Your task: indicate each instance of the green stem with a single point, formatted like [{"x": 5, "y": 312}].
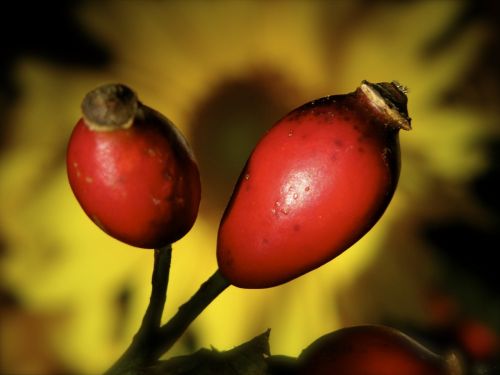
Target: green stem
[{"x": 140, "y": 350}]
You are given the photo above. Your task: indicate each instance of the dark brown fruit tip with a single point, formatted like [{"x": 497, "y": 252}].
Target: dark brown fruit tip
[
  {"x": 390, "y": 101},
  {"x": 109, "y": 107}
]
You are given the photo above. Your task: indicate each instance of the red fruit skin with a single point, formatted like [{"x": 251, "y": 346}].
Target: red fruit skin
[
  {"x": 141, "y": 185},
  {"x": 370, "y": 350},
  {"x": 314, "y": 184}
]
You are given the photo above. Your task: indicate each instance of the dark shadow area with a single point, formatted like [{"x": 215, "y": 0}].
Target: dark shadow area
[
  {"x": 479, "y": 86},
  {"x": 45, "y": 30},
  {"x": 227, "y": 124}
]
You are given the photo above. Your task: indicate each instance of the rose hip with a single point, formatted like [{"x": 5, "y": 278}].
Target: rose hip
[
  {"x": 373, "y": 350},
  {"x": 131, "y": 170},
  {"x": 317, "y": 181}
]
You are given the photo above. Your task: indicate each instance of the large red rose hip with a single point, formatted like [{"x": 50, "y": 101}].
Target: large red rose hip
[
  {"x": 131, "y": 170},
  {"x": 314, "y": 184}
]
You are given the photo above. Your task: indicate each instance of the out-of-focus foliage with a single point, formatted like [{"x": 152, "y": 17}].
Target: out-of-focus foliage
[{"x": 223, "y": 72}]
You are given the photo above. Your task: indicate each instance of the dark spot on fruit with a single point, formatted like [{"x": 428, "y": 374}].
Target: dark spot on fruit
[
  {"x": 265, "y": 241},
  {"x": 338, "y": 143},
  {"x": 296, "y": 227},
  {"x": 333, "y": 157},
  {"x": 386, "y": 156},
  {"x": 361, "y": 150}
]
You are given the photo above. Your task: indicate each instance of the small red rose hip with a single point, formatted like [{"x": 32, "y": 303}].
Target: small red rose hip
[
  {"x": 373, "y": 350},
  {"x": 314, "y": 185},
  {"x": 477, "y": 339},
  {"x": 131, "y": 170}
]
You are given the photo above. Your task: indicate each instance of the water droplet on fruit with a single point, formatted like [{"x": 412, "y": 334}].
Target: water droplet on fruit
[
  {"x": 247, "y": 176},
  {"x": 290, "y": 132},
  {"x": 295, "y": 195}
]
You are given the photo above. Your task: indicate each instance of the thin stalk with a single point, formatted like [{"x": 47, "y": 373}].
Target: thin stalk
[
  {"x": 170, "y": 332},
  {"x": 140, "y": 350}
]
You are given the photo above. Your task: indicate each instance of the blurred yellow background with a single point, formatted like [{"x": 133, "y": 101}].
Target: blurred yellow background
[{"x": 223, "y": 72}]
